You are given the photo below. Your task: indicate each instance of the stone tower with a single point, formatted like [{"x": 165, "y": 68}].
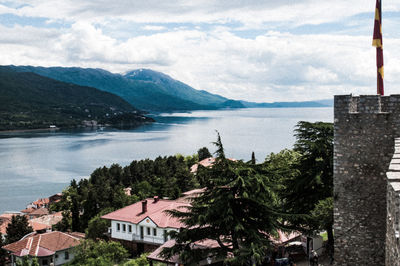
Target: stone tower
[{"x": 365, "y": 131}]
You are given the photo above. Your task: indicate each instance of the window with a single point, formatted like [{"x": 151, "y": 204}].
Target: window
[
  {"x": 154, "y": 231},
  {"x": 45, "y": 262},
  {"x": 118, "y": 227},
  {"x": 165, "y": 236},
  {"x": 66, "y": 257},
  {"x": 141, "y": 232},
  {"x": 130, "y": 228},
  {"x": 124, "y": 227},
  {"x": 148, "y": 231}
]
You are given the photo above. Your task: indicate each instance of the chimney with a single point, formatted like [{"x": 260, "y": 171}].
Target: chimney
[
  {"x": 144, "y": 206},
  {"x": 156, "y": 198}
]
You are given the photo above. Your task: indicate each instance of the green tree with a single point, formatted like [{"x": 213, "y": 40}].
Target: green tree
[
  {"x": 253, "y": 158},
  {"x": 3, "y": 253},
  {"x": 203, "y": 153},
  {"x": 97, "y": 226},
  {"x": 90, "y": 252},
  {"x": 237, "y": 210},
  {"x": 18, "y": 228},
  {"x": 140, "y": 261},
  {"x": 314, "y": 181}
]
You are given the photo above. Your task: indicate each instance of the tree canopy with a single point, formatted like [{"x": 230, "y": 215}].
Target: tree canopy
[
  {"x": 18, "y": 228},
  {"x": 238, "y": 210}
]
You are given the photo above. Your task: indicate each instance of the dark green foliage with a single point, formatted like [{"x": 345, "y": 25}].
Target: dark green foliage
[
  {"x": 29, "y": 101},
  {"x": 91, "y": 252},
  {"x": 237, "y": 209},
  {"x": 84, "y": 200},
  {"x": 253, "y": 158},
  {"x": 308, "y": 191},
  {"x": 97, "y": 226},
  {"x": 3, "y": 253},
  {"x": 203, "y": 153},
  {"x": 18, "y": 228}
]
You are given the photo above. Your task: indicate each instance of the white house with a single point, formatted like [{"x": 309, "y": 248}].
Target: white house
[
  {"x": 53, "y": 248},
  {"x": 142, "y": 226}
]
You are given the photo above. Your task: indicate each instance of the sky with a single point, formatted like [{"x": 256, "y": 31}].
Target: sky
[{"x": 262, "y": 51}]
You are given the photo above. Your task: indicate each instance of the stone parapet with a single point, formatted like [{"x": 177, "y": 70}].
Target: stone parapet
[
  {"x": 365, "y": 128},
  {"x": 393, "y": 209}
]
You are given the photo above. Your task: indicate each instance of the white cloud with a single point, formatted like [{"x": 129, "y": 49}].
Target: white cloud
[
  {"x": 273, "y": 66},
  {"x": 154, "y": 28}
]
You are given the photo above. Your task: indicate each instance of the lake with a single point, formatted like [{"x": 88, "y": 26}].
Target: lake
[{"x": 34, "y": 165}]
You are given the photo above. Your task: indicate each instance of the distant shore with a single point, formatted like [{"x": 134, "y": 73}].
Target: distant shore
[{"x": 29, "y": 130}]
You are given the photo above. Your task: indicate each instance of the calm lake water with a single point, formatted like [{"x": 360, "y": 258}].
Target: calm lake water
[{"x": 34, "y": 165}]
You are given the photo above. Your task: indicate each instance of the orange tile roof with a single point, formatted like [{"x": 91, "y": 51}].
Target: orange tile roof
[
  {"x": 155, "y": 211},
  {"x": 43, "y": 244},
  {"x": 3, "y": 226},
  {"x": 155, "y": 255},
  {"x": 40, "y": 212},
  {"x": 49, "y": 220},
  {"x": 28, "y": 210},
  {"x": 38, "y": 226}
]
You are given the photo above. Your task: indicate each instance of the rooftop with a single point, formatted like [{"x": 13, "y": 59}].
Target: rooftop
[
  {"x": 42, "y": 245},
  {"x": 155, "y": 211}
]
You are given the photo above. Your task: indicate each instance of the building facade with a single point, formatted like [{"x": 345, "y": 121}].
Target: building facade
[{"x": 143, "y": 226}]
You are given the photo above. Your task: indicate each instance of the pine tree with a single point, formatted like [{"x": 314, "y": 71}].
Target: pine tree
[
  {"x": 310, "y": 192},
  {"x": 237, "y": 210},
  {"x": 18, "y": 228}
]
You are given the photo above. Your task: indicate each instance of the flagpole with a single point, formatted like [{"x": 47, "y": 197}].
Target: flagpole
[{"x": 378, "y": 43}]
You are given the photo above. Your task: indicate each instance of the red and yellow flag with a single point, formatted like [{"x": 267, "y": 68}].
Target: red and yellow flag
[{"x": 377, "y": 42}]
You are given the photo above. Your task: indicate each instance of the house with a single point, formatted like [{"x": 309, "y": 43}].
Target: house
[
  {"x": 37, "y": 213},
  {"x": 143, "y": 226},
  {"x": 55, "y": 198},
  {"x": 53, "y": 248},
  {"x": 40, "y": 203},
  {"x": 155, "y": 256},
  {"x": 207, "y": 162}
]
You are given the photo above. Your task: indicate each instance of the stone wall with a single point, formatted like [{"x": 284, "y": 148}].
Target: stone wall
[
  {"x": 365, "y": 128},
  {"x": 393, "y": 208}
]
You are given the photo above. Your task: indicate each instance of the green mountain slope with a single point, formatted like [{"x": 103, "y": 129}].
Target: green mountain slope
[
  {"x": 29, "y": 101},
  {"x": 145, "y": 89}
]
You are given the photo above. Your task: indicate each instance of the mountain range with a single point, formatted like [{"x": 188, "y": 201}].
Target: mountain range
[
  {"x": 152, "y": 91},
  {"x": 30, "y": 101}
]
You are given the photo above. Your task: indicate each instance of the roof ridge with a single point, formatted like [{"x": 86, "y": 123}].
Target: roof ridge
[
  {"x": 68, "y": 235},
  {"x": 38, "y": 244}
]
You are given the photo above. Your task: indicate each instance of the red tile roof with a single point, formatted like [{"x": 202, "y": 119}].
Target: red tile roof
[
  {"x": 207, "y": 162},
  {"x": 49, "y": 220},
  {"x": 40, "y": 212},
  {"x": 155, "y": 255},
  {"x": 43, "y": 244},
  {"x": 28, "y": 210},
  {"x": 155, "y": 211},
  {"x": 3, "y": 226}
]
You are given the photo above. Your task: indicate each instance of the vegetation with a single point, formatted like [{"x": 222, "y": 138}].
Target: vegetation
[
  {"x": 85, "y": 200},
  {"x": 30, "y": 101},
  {"x": 238, "y": 210},
  {"x": 26, "y": 262},
  {"x": 203, "y": 153},
  {"x": 242, "y": 207},
  {"x": 18, "y": 228},
  {"x": 94, "y": 253},
  {"x": 3, "y": 253},
  {"x": 310, "y": 190}
]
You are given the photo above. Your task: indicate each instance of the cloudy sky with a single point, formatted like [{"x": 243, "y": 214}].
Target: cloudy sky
[{"x": 282, "y": 50}]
